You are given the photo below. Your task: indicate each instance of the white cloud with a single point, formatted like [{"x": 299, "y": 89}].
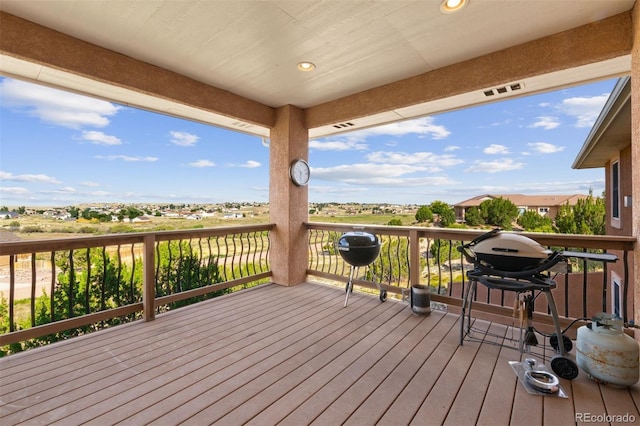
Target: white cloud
[
  {"x": 504, "y": 122},
  {"x": 346, "y": 172},
  {"x": 546, "y": 122},
  {"x": 451, "y": 148},
  {"x": 56, "y": 106},
  {"x": 67, "y": 190},
  {"x": 251, "y": 164},
  {"x": 14, "y": 190},
  {"x": 371, "y": 174},
  {"x": 538, "y": 187},
  {"x": 183, "y": 138},
  {"x": 421, "y": 126},
  {"x": 495, "y": 166},
  {"x": 338, "y": 145},
  {"x": 584, "y": 109},
  {"x": 422, "y": 158},
  {"x": 495, "y": 149},
  {"x": 31, "y": 178},
  {"x": 90, "y": 184},
  {"x": 99, "y": 138},
  {"x": 202, "y": 163},
  {"x": 126, "y": 158},
  {"x": 545, "y": 148},
  {"x": 355, "y": 141},
  {"x": 340, "y": 191}
]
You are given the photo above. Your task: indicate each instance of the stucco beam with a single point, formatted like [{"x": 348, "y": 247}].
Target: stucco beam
[
  {"x": 591, "y": 43},
  {"x": 31, "y": 42}
]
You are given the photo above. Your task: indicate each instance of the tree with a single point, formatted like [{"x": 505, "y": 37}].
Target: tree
[
  {"x": 532, "y": 221},
  {"x": 443, "y": 251},
  {"x": 447, "y": 218},
  {"x": 86, "y": 213},
  {"x": 395, "y": 222},
  {"x": 586, "y": 217},
  {"x": 439, "y": 207},
  {"x": 445, "y": 213},
  {"x": 131, "y": 212},
  {"x": 590, "y": 215},
  {"x": 499, "y": 212},
  {"x": 424, "y": 214},
  {"x": 473, "y": 217}
]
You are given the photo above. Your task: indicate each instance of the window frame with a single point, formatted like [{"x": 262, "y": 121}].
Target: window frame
[{"x": 615, "y": 201}]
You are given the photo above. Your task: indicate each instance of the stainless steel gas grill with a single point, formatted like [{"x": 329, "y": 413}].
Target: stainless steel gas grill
[
  {"x": 513, "y": 262},
  {"x": 359, "y": 249}
]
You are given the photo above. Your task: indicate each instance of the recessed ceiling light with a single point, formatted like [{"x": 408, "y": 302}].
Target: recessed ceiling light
[
  {"x": 306, "y": 66},
  {"x": 450, "y": 6}
]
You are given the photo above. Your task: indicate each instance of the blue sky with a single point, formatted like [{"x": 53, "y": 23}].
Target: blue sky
[{"x": 59, "y": 149}]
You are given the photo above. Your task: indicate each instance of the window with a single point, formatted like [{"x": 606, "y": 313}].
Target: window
[
  {"x": 615, "y": 190},
  {"x": 616, "y": 295}
]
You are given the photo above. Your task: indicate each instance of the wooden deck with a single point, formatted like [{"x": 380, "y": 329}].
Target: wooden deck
[{"x": 292, "y": 356}]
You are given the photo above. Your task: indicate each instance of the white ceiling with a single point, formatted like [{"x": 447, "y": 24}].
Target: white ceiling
[{"x": 251, "y": 48}]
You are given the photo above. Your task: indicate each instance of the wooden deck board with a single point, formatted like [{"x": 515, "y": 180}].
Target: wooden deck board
[
  {"x": 437, "y": 404},
  {"x": 405, "y": 407},
  {"x": 496, "y": 407},
  {"x": 377, "y": 371},
  {"x": 277, "y": 355},
  {"x": 371, "y": 410},
  {"x": 618, "y": 402},
  {"x": 468, "y": 402}
]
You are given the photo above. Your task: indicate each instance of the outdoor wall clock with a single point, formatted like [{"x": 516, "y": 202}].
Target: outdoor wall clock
[{"x": 299, "y": 172}]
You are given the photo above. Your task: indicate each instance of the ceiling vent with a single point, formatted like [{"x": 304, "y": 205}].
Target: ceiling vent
[
  {"x": 343, "y": 125},
  {"x": 241, "y": 124},
  {"x": 502, "y": 90}
]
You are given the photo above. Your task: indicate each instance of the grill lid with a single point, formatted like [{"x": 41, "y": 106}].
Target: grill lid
[
  {"x": 508, "y": 251},
  {"x": 357, "y": 239},
  {"x": 358, "y": 248},
  {"x": 515, "y": 245}
]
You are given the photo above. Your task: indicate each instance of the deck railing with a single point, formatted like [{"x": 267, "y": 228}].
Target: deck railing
[
  {"x": 429, "y": 256},
  {"x": 86, "y": 283}
]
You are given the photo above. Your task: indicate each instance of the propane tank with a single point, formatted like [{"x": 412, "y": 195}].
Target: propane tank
[{"x": 606, "y": 353}]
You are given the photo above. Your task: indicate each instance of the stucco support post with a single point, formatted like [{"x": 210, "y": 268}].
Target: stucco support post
[
  {"x": 635, "y": 158},
  {"x": 288, "y": 203}
]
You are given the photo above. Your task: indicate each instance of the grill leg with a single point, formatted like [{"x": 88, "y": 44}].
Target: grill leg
[
  {"x": 465, "y": 317},
  {"x": 349, "y": 285},
  {"x": 556, "y": 320}
]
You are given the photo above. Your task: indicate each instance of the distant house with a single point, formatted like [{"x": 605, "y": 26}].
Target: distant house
[
  {"x": 8, "y": 215},
  {"x": 544, "y": 205},
  {"x": 608, "y": 146},
  {"x": 233, "y": 216},
  {"x": 141, "y": 219}
]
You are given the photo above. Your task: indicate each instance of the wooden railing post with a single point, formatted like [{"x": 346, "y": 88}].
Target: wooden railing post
[
  {"x": 149, "y": 278},
  {"x": 414, "y": 257}
]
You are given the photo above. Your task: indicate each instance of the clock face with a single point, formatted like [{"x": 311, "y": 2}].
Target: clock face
[{"x": 300, "y": 172}]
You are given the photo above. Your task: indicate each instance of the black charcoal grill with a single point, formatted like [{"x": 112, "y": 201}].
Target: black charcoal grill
[
  {"x": 514, "y": 262},
  {"x": 359, "y": 249}
]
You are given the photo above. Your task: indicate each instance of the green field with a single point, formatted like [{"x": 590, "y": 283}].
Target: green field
[{"x": 39, "y": 227}]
